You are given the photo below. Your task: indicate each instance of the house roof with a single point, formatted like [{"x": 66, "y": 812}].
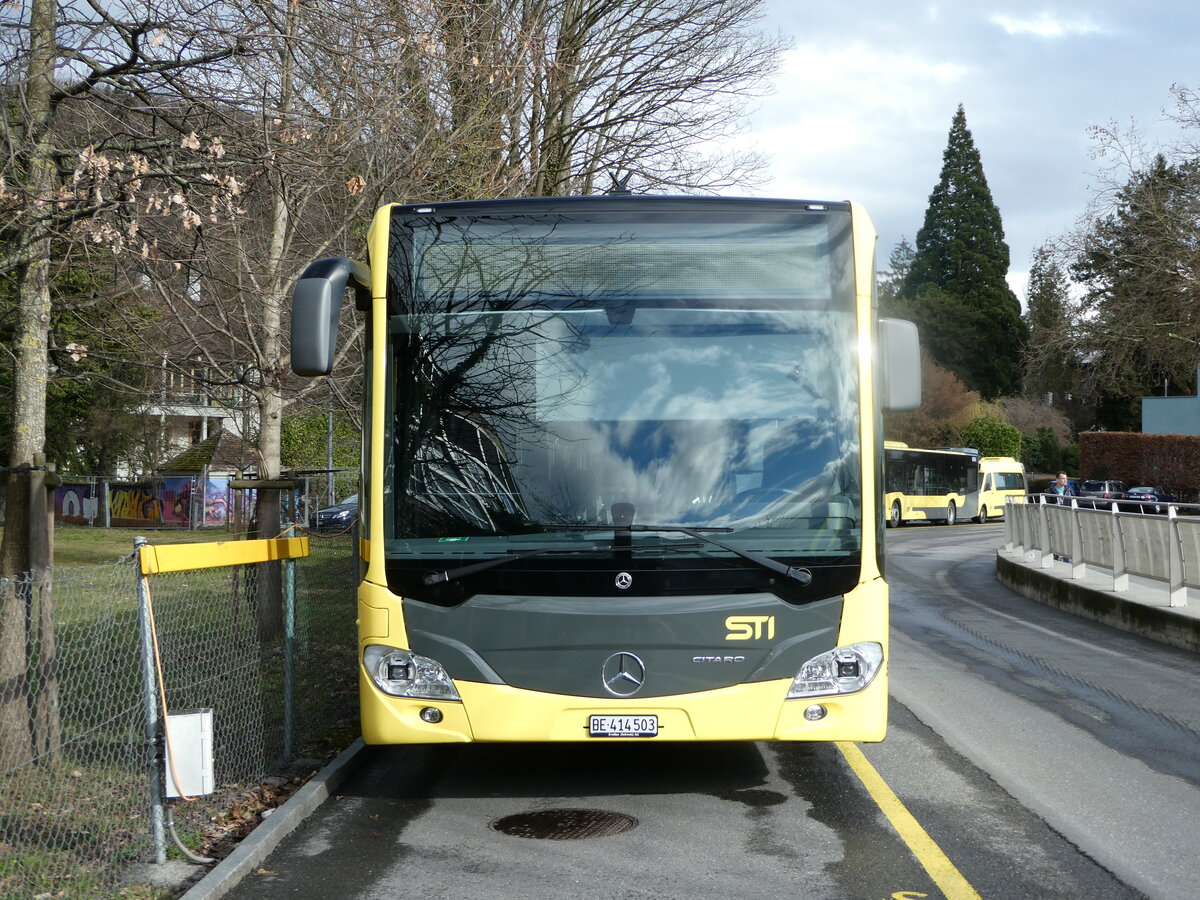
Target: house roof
[{"x": 223, "y": 452}]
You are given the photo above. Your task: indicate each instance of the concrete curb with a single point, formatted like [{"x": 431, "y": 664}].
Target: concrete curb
[
  {"x": 226, "y": 875},
  {"x": 1115, "y": 609}
]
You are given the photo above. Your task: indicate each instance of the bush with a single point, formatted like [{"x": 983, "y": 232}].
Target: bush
[
  {"x": 1041, "y": 452},
  {"x": 305, "y": 442},
  {"x": 1070, "y": 458},
  {"x": 946, "y": 405},
  {"x": 991, "y": 437}
]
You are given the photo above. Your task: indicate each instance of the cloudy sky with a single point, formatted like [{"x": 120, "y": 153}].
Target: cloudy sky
[{"x": 867, "y": 91}]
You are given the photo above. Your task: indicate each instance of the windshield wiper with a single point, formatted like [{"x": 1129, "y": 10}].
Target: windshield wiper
[
  {"x": 623, "y": 526},
  {"x": 793, "y": 572},
  {"x": 446, "y": 575}
]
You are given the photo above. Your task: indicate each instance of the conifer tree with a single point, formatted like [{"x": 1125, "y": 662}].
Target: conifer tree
[
  {"x": 890, "y": 282},
  {"x": 1050, "y": 360},
  {"x": 956, "y": 290}
]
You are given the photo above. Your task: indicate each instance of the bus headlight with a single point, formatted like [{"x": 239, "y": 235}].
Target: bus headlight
[
  {"x": 843, "y": 670},
  {"x": 404, "y": 674}
]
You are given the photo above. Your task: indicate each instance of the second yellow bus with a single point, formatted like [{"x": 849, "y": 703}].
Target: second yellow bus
[{"x": 947, "y": 484}]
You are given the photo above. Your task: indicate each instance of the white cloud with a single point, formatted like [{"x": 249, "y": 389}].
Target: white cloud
[
  {"x": 869, "y": 75},
  {"x": 859, "y": 122},
  {"x": 850, "y": 99},
  {"x": 1048, "y": 24},
  {"x": 1019, "y": 282}
]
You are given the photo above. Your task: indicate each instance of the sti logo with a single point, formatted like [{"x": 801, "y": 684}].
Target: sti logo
[{"x": 745, "y": 628}]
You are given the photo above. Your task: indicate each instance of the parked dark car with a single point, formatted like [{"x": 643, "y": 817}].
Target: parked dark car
[
  {"x": 1101, "y": 493},
  {"x": 1147, "y": 500},
  {"x": 337, "y": 517}
]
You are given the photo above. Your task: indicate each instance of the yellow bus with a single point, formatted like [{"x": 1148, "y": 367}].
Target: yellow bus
[
  {"x": 947, "y": 484},
  {"x": 927, "y": 485},
  {"x": 621, "y": 468},
  {"x": 1000, "y": 477}
]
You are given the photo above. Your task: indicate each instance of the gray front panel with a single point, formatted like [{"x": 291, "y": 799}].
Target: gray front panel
[{"x": 560, "y": 645}]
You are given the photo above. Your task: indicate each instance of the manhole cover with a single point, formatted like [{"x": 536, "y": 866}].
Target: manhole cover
[{"x": 565, "y": 824}]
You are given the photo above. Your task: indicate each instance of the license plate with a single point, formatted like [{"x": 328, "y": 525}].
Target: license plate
[{"x": 623, "y": 726}]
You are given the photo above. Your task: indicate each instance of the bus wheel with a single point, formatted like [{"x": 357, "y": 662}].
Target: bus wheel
[
  {"x": 951, "y": 514},
  {"x": 894, "y": 518},
  {"x": 982, "y": 515}
]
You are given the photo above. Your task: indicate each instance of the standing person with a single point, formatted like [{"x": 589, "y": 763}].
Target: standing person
[{"x": 1061, "y": 490}]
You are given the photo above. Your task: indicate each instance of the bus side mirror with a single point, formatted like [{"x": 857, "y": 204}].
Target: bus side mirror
[
  {"x": 900, "y": 365},
  {"x": 316, "y": 304}
]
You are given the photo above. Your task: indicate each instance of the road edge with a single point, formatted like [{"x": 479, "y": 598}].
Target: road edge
[
  {"x": 229, "y": 872},
  {"x": 1165, "y": 624}
]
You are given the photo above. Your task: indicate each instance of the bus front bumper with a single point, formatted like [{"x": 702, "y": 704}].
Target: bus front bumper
[{"x": 747, "y": 712}]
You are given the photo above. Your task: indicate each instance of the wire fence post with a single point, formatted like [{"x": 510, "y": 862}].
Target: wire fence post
[
  {"x": 150, "y": 702},
  {"x": 289, "y": 649}
]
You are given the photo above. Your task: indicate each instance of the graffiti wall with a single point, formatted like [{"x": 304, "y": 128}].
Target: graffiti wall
[
  {"x": 217, "y": 501},
  {"x": 176, "y": 497},
  {"x": 174, "y": 502},
  {"x": 77, "y": 504},
  {"x": 130, "y": 505}
]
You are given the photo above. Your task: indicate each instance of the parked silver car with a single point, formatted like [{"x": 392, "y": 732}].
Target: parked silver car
[{"x": 1102, "y": 491}]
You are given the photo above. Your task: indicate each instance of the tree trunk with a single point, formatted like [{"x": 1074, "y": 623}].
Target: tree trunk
[
  {"x": 270, "y": 397},
  {"x": 47, "y": 729},
  {"x": 30, "y": 344},
  {"x": 270, "y": 581},
  {"x": 16, "y": 740}
]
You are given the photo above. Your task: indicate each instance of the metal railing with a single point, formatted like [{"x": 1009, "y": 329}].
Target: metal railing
[{"x": 1160, "y": 546}]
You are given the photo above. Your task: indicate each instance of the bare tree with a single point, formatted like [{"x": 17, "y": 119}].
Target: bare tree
[
  {"x": 295, "y": 187},
  {"x": 562, "y": 96},
  {"x": 466, "y": 98},
  {"x": 1030, "y": 415},
  {"x": 315, "y": 121},
  {"x": 59, "y": 54},
  {"x": 946, "y": 407},
  {"x": 1130, "y": 324},
  {"x": 290, "y": 120},
  {"x": 1138, "y": 264},
  {"x": 645, "y": 88}
]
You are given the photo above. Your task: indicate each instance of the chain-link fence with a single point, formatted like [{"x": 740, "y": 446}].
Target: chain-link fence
[{"x": 272, "y": 656}]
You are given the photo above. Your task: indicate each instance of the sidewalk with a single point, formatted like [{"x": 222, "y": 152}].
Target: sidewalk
[
  {"x": 1142, "y": 610},
  {"x": 250, "y": 853}
]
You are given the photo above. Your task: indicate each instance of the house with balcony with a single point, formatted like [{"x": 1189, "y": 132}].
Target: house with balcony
[{"x": 187, "y": 402}]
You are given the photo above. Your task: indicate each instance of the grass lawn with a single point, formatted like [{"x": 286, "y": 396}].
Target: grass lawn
[{"x": 76, "y": 545}]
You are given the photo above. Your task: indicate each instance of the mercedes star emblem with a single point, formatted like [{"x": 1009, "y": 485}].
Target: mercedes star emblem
[
  {"x": 624, "y": 580},
  {"x": 623, "y": 674}
]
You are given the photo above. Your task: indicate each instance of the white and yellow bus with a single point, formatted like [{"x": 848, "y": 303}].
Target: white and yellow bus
[
  {"x": 947, "y": 484},
  {"x": 1000, "y": 477},
  {"x": 621, "y": 466}
]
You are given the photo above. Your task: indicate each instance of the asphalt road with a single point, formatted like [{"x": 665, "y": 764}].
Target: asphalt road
[
  {"x": 1097, "y": 731},
  {"x": 1030, "y": 755}
]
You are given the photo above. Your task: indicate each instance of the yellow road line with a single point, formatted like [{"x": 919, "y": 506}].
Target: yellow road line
[{"x": 928, "y": 854}]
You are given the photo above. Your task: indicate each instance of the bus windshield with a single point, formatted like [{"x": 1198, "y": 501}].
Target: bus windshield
[{"x": 537, "y": 389}]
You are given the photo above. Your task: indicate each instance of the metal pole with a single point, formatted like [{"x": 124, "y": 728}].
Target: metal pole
[
  {"x": 150, "y": 700},
  {"x": 329, "y": 448},
  {"x": 1176, "y": 579},
  {"x": 289, "y": 649}
]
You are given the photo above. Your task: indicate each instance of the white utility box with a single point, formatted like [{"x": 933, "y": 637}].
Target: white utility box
[{"x": 192, "y": 748}]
